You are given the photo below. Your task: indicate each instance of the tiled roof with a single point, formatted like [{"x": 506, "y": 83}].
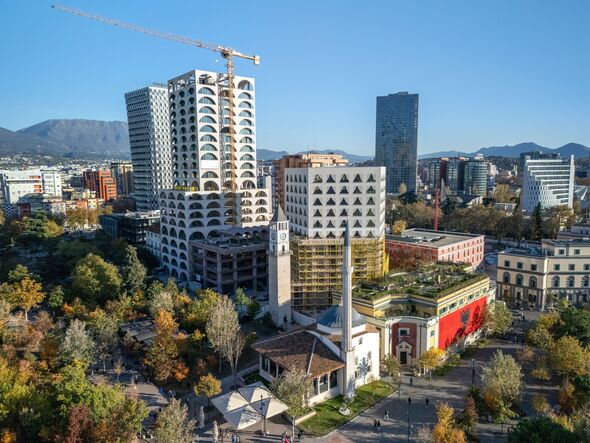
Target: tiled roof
[{"x": 301, "y": 351}]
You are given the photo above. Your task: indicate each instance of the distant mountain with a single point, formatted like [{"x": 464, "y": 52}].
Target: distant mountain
[
  {"x": 574, "y": 149},
  {"x": 267, "y": 154},
  {"x": 84, "y": 137},
  {"x": 14, "y": 142}
]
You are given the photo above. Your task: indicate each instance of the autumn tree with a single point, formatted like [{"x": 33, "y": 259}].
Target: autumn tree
[
  {"x": 208, "y": 386},
  {"x": 497, "y": 318},
  {"x": 27, "y": 294},
  {"x": 80, "y": 424},
  {"x": 173, "y": 424},
  {"x": 540, "y": 429},
  {"x": 162, "y": 358},
  {"x": 398, "y": 227},
  {"x": 446, "y": 430},
  {"x": 502, "y": 384},
  {"x": 432, "y": 359},
  {"x": 392, "y": 367},
  {"x": 77, "y": 344},
  {"x": 224, "y": 332},
  {"x": 540, "y": 334},
  {"x": 568, "y": 358},
  {"x": 503, "y": 194},
  {"x": 95, "y": 280}
]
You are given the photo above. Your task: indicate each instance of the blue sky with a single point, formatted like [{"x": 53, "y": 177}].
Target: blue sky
[{"x": 488, "y": 73}]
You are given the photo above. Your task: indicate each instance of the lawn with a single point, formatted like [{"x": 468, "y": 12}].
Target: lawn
[{"x": 328, "y": 418}]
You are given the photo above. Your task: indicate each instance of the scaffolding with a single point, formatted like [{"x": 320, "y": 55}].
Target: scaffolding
[{"x": 316, "y": 268}]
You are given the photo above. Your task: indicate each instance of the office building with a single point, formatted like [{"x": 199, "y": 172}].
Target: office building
[
  {"x": 201, "y": 203},
  {"x": 308, "y": 160},
  {"x": 396, "y": 141},
  {"x": 102, "y": 182},
  {"x": 122, "y": 172},
  {"x": 539, "y": 277},
  {"x": 148, "y": 117},
  {"x": 455, "y": 172},
  {"x": 131, "y": 226},
  {"x": 475, "y": 177},
  {"x": 547, "y": 181},
  {"x": 425, "y": 245},
  {"x": 15, "y": 184},
  {"x": 319, "y": 203}
]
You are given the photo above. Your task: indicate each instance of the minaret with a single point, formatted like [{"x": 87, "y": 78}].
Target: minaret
[
  {"x": 346, "y": 350},
  {"x": 279, "y": 270}
]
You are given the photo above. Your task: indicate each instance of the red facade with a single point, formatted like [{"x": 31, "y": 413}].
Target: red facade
[
  {"x": 460, "y": 323},
  {"x": 410, "y": 337}
]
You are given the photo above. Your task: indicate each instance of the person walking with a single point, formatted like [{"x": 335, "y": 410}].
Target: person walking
[
  {"x": 378, "y": 425},
  {"x": 411, "y": 381},
  {"x": 427, "y": 401},
  {"x": 386, "y": 415},
  {"x": 374, "y": 424}
]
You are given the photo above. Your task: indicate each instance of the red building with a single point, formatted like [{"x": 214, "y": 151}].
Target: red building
[
  {"x": 101, "y": 182},
  {"x": 430, "y": 246}
]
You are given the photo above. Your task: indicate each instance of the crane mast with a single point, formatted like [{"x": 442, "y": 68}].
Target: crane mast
[{"x": 226, "y": 52}]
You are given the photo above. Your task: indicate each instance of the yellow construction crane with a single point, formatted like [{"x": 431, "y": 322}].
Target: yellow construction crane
[{"x": 226, "y": 52}]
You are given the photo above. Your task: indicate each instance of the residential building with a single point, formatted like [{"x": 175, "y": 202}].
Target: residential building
[
  {"x": 396, "y": 143},
  {"x": 475, "y": 177},
  {"x": 122, "y": 172},
  {"x": 31, "y": 203},
  {"x": 153, "y": 242},
  {"x": 15, "y": 184},
  {"x": 425, "y": 245},
  {"x": 201, "y": 203},
  {"x": 320, "y": 202},
  {"x": 538, "y": 277},
  {"x": 339, "y": 350},
  {"x": 148, "y": 116},
  {"x": 307, "y": 160},
  {"x": 577, "y": 231},
  {"x": 547, "y": 181},
  {"x": 236, "y": 259},
  {"x": 131, "y": 226},
  {"x": 435, "y": 306},
  {"x": 102, "y": 182}
]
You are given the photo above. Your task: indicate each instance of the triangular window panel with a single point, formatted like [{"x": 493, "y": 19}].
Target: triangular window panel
[
  {"x": 357, "y": 190},
  {"x": 358, "y": 179},
  {"x": 344, "y": 179},
  {"x": 344, "y": 213},
  {"x": 330, "y": 190},
  {"x": 357, "y": 202},
  {"x": 330, "y": 179},
  {"x": 357, "y": 224},
  {"x": 343, "y": 202},
  {"x": 331, "y": 214}
]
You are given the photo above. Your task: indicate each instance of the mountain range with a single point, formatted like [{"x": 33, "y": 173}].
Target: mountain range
[
  {"x": 575, "y": 149},
  {"x": 76, "y": 138}
]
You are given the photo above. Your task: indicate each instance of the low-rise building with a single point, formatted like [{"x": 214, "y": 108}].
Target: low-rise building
[
  {"x": 153, "y": 241},
  {"x": 577, "y": 231},
  {"x": 432, "y": 246},
  {"x": 538, "y": 277},
  {"x": 440, "y": 305},
  {"x": 131, "y": 226}
]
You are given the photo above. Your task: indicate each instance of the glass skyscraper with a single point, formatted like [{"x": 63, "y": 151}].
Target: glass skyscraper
[{"x": 396, "y": 139}]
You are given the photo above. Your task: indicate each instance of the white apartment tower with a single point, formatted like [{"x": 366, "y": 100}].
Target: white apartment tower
[
  {"x": 15, "y": 184},
  {"x": 200, "y": 202},
  {"x": 547, "y": 181},
  {"x": 149, "y": 137}
]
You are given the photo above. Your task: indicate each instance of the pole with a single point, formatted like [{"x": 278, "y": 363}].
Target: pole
[
  {"x": 472, "y": 371},
  {"x": 409, "y": 403}
]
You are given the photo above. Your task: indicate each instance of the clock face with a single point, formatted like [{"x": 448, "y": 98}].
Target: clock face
[{"x": 283, "y": 236}]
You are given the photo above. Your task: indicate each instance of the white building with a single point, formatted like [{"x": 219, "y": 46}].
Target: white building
[
  {"x": 320, "y": 201},
  {"x": 15, "y": 184},
  {"x": 149, "y": 137},
  {"x": 548, "y": 181},
  {"x": 201, "y": 203}
]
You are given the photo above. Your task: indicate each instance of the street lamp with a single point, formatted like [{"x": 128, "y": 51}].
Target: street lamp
[
  {"x": 472, "y": 371},
  {"x": 409, "y": 403}
]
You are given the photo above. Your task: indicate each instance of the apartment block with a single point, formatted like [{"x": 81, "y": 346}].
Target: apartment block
[{"x": 547, "y": 180}]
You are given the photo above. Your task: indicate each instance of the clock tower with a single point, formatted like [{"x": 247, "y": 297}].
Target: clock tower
[{"x": 279, "y": 264}]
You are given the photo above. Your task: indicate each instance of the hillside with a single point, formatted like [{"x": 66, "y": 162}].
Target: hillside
[{"x": 514, "y": 151}]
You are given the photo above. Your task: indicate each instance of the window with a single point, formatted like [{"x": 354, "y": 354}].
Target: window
[
  {"x": 555, "y": 282},
  {"x": 506, "y": 277},
  {"x": 533, "y": 267},
  {"x": 323, "y": 385},
  {"x": 533, "y": 282},
  {"x": 576, "y": 252},
  {"x": 556, "y": 267},
  {"x": 587, "y": 267},
  {"x": 404, "y": 331},
  {"x": 571, "y": 281},
  {"x": 333, "y": 379},
  {"x": 432, "y": 333},
  {"x": 506, "y": 263},
  {"x": 561, "y": 251},
  {"x": 571, "y": 267},
  {"x": 586, "y": 281},
  {"x": 519, "y": 265},
  {"x": 519, "y": 279}
]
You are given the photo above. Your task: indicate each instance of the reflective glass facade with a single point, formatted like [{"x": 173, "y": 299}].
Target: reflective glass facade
[{"x": 396, "y": 140}]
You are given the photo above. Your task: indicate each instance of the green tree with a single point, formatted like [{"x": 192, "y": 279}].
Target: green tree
[
  {"x": 536, "y": 223},
  {"x": 241, "y": 300},
  {"x": 133, "y": 271},
  {"x": 540, "y": 429},
  {"x": 56, "y": 298},
  {"x": 95, "y": 280},
  {"x": 392, "y": 367},
  {"x": 568, "y": 357},
  {"x": 173, "y": 424},
  {"x": 574, "y": 322},
  {"x": 497, "y": 318},
  {"x": 502, "y": 383},
  {"x": 104, "y": 328},
  {"x": 77, "y": 344},
  {"x": 292, "y": 388}
]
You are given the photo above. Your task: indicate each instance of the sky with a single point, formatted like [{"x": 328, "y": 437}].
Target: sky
[{"x": 489, "y": 73}]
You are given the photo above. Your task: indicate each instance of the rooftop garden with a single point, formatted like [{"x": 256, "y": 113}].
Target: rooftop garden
[{"x": 434, "y": 280}]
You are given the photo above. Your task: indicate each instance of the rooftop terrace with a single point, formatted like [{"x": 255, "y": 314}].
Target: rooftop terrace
[{"x": 432, "y": 281}]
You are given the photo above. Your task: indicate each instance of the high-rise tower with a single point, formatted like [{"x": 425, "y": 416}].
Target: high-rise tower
[
  {"x": 279, "y": 277},
  {"x": 396, "y": 139},
  {"x": 149, "y": 136}
]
